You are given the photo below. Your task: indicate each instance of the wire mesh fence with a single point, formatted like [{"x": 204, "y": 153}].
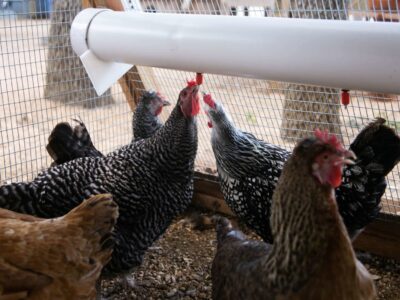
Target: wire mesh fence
[{"x": 42, "y": 83}]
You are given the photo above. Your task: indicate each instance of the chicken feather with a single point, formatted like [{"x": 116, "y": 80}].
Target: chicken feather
[{"x": 59, "y": 258}]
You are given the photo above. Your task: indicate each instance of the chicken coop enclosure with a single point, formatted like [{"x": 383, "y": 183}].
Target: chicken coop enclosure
[{"x": 43, "y": 82}]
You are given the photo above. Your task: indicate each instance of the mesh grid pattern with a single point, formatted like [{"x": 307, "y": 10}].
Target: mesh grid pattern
[{"x": 27, "y": 116}]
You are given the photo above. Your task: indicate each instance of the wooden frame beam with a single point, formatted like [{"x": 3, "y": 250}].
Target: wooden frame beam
[{"x": 381, "y": 237}]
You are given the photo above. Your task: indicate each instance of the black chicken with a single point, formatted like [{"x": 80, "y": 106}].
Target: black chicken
[
  {"x": 249, "y": 169},
  {"x": 312, "y": 256},
  {"x": 151, "y": 181},
  {"x": 66, "y": 143}
]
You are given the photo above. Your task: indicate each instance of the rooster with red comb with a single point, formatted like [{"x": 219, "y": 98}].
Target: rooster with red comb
[{"x": 249, "y": 169}]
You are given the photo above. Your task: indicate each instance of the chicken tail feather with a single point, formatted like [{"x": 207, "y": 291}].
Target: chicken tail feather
[
  {"x": 66, "y": 143},
  {"x": 377, "y": 148},
  {"x": 97, "y": 215}
]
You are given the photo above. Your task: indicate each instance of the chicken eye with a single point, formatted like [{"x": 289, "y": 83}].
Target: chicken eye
[
  {"x": 184, "y": 94},
  {"x": 325, "y": 157}
]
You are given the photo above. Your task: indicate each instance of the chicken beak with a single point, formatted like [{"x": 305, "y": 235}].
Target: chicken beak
[
  {"x": 348, "y": 158},
  {"x": 166, "y": 103}
]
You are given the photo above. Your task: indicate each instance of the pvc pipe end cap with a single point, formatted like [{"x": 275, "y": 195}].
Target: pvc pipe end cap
[{"x": 79, "y": 28}]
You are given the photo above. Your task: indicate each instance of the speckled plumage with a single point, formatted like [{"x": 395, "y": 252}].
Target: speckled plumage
[
  {"x": 145, "y": 121},
  {"x": 249, "y": 169},
  {"x": 66, "y": 143},
  {"x": 151, "y": 181}
]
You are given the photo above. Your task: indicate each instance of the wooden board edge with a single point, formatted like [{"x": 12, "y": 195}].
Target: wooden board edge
[{"x": 382, "y": 237}]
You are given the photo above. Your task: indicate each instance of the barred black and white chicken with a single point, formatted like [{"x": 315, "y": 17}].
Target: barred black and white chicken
[
  {"x": 151, "y": 181},
  {"x": 249, "y": 169},
  {"x": 66, "y": 143},
  {"x": 145, "y": 120}
]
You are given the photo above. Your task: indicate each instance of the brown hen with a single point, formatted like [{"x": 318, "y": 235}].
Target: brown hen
[
  {"x": 312, "y": 256},
  {"x": 58, "y": 258}
]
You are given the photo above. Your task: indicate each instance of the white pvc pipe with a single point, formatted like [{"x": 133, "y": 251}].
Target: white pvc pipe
[{"x": 341, "y": 54}]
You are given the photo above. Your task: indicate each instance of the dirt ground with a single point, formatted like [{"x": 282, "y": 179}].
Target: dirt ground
[{"x": 178, "y": 266}]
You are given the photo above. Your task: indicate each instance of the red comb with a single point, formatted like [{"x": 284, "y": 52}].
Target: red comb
[
  {"x": 209, "y": 100},
  {"x": 191, "y": 83},
  {"x": 330, "y": 139}
]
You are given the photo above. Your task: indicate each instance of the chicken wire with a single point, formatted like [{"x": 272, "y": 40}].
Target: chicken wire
[{"x": 27, "y": 116}]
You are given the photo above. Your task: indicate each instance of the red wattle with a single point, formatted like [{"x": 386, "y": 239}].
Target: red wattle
[
  {"x": 210, "y": 125},
  {"x": 158, "y": 111},
  {"x": 335, "y": 176}
]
